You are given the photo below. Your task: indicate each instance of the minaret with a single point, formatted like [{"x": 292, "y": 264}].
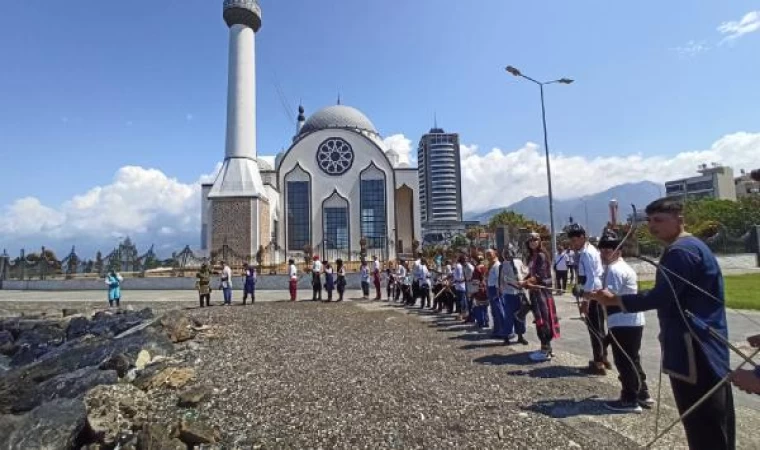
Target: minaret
[
  {"x": 301, "y": 119},
  {"x": 238, "y": 193},
  {"x": 613, "y": 212}
]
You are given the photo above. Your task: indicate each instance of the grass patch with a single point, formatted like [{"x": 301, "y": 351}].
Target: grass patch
[{"x": 742, "y": 291}]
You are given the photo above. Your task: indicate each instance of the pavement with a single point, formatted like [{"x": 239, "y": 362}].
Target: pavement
[{"x": 574, "y": 343}]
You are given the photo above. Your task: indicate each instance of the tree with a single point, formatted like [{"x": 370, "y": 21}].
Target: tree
[{"x": 516, "y": 222}]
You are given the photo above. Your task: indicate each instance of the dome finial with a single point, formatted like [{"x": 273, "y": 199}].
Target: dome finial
[{"x": 339, "y": 98}]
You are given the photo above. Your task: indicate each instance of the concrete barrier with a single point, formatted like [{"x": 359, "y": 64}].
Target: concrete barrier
[{"x": 265, "y": 282}]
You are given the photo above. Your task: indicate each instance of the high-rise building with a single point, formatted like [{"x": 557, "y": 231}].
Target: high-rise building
[
  {"x": 439, "y": 169},
  {"x": 746, "y": 186}
]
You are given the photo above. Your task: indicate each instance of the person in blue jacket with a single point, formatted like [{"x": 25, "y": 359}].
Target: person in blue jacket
[
  {"x": 113, "y": 281},
  {"x": 688, "y": 296},
  {"x": 249, "y": 282}
]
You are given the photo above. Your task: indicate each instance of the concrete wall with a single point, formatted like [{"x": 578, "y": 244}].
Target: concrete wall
[
  {"x": 265, "y": 282},
  {"x": 746, "y": 262}
]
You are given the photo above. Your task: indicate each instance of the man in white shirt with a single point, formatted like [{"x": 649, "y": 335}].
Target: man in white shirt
[
  {"x": 626, "y": 329},
  {"x": 494, "y": 299},
  {"x": 460, "y": 287},
  {"x": 560, "y": 269},
  {"x": 293, "y": 274},
  {"x": 512, "y": 273},
  {"x": 226, "y": 283},
  {"x": 590, "y": 273},
  {"x": 415, "y": 272},
  {"x": 376, "y": 277},
  {"x": 316, "y": 279}
]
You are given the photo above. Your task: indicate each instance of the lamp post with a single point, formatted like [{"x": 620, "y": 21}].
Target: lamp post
[{"x": 541, "y": 85}]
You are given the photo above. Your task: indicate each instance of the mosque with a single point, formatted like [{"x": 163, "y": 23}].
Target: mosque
[{"x": 335, "y": 188}]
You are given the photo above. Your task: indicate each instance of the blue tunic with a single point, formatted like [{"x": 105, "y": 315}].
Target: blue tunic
[
  {"x": 114, "y": 288},
  {"x": 250, "y": 282},
  {"x": 692, "y": 260}
]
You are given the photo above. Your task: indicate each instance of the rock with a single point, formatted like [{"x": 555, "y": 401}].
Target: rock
[
  {"x": 115, "y": 413},
  {"x": 193, "y": 396},
  {"x": 67, "y": 312},
  {"x": 177, "y": 326},
  {"x": 196, "y": 433},
  {"x": 7, "y": 343},
  {"x": 52, "y": 426},
  {"x": 143, "y": 358},
  {"x": 120, "y": 363},
  {"x": 77, "y": 327},
  {"x": 5, "y": 363},
  {"x": 67, "y": 385},
  {"x": 171, "y": 377},
  {"x": 156, "y": 437},
  {"x": 42, "y": 335}
]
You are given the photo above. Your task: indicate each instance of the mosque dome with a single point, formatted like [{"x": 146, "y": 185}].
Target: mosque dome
[{"x": 338, "y": 116}]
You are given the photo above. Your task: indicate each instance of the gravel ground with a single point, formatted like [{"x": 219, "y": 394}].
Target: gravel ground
[
  {"x": 375, "y": 375},
  {"x": 342, "y": 376}
]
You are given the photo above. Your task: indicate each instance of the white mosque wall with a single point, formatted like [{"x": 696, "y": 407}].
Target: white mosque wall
[{"x": 300, "y": 163}]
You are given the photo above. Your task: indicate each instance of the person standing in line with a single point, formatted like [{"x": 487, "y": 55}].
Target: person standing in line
[
  {"x": 572, "y": 268},
  {"x": 626, "y": 329},
  {"x": 511, "y": 275},
  {"x": 688, "y": 290},
  {"x": 364, "y": 273},
  {"x": 113, "y": 281},
  {"x": 203, "y": 284},
  {"x": 226, "y": 282},
  {"x": 249, "y": 283},
  {"x": 423, "y": 278},
  {"x": 415, "y": 280},
  {"x": 539, "y": 284},
  {"x": 561, "y": 269},
  {"x": 460, "y": 287},
  {"x": 390, "y": 276},
  {"x": 376, "y": 277},
  {"x": 590, "y": 272},
  {"x": 316, "y": 279},
  {"x": 400, "y": 279},
  {"x": 340, "y": 283},
  {"x": 293, "y": 274},
  {"x": 494, "y": 299},
  {"x": 329, "y": 280},
  {"x": 472, "y": 288}
]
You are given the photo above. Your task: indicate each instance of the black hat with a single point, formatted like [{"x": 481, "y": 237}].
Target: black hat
[
  {"x": 575, "y": 230},
  {"x": 609, "y": 240}
]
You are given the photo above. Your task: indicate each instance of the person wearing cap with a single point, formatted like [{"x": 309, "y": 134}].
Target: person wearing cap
[
  {"x": 688, "y": 295},
  {"x": 538, "y": 283},
  {"x": 590, "y": 272},
  {"x": 316, "y": 279},
  {"x": 626, "y": 329}
]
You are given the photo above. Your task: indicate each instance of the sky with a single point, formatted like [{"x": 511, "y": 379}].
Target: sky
[{"x": 112, "y": 112}]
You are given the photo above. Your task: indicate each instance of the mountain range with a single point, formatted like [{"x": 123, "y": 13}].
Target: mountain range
[{"x": 591, "y": 211}]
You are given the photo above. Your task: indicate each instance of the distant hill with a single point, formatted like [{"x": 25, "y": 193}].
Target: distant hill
[{"x": 596, "y": 205}]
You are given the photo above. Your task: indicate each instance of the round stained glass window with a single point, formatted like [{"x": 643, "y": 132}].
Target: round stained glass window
[{"x": 335, "y": 156}]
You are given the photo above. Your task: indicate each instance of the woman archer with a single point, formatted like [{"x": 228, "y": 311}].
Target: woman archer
[{"x": 539, "y": 285}]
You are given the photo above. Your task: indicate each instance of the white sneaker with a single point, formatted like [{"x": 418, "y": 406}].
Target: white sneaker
[{"x": 540, "y": 356}]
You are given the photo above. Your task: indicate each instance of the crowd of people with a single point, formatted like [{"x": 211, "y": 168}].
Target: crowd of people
[{"x": 688, "y": 296}]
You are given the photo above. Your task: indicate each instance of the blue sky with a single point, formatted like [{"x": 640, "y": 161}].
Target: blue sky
[{"x": 90, "y": 87}]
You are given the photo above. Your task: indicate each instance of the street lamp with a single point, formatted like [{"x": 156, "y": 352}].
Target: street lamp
[{"x": 541, "y": 85}]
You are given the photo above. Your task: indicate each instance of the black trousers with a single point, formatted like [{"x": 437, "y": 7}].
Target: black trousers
[
  {"x": 561, "y": 279},
  {"x": 712, "y": 426},
  {"x": 630, "y": 373},
  {"x": 424, "y": 295},
  {"x": 317, "y": 294},
  {"x": 205, "y": 296},
  {"x": 597, "y": 331},
  {"x": 572, "y": 272}
]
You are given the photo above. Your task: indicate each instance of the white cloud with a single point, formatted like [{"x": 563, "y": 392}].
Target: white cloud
[
  {"x": 735, "y": 29},
  {"x": 402, "y": 145},
  {"x": 692, "y": 48},
  {"x": 499, "y": 178}
]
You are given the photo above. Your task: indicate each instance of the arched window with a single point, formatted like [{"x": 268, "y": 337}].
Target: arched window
[
  {"x": 374, "y": 222},
  {"x": 335, "y": 222},
  {"x": 298, "y": 207}
]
